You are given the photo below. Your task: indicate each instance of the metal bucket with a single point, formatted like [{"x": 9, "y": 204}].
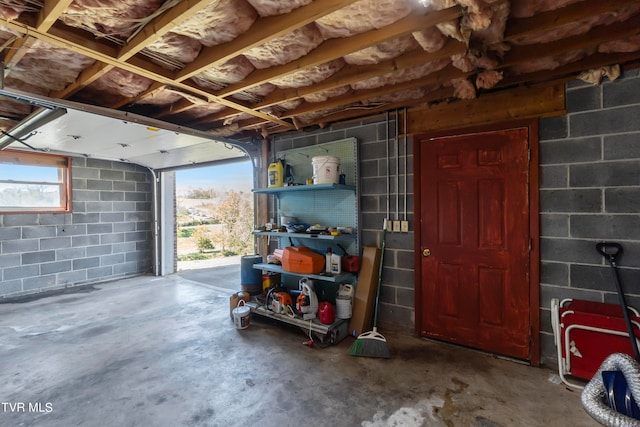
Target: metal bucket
[{"x": 241, "y": 316}]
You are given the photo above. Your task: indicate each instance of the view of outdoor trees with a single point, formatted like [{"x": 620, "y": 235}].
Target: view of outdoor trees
[
  {"x": 19, "y": 194},
  {"x": 30, "y": 186},
  {"x": 214, "y": 223}
]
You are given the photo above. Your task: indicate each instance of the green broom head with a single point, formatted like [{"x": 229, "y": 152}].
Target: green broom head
[{"x": 370, "y": 344}]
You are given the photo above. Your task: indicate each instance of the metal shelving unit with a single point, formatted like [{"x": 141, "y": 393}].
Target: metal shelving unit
[
  {"x": 331, "y": 205},
  {"x": 323, "y": 334}
]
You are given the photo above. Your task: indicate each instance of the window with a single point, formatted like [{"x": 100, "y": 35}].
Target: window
[{"x": 34, "y": 182}]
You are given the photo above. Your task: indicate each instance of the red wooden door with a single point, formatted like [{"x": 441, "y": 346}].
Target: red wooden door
[{"x": 474, "y": 241}]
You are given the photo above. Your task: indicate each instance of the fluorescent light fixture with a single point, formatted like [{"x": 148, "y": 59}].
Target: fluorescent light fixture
[{"x": 33, "y": 122}]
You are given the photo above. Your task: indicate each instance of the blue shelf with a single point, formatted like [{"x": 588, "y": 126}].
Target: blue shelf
[
  {"x": 339, "y": 278},
  {"x": 310, "y": 187},
  {"x": 342, "y": 237}
]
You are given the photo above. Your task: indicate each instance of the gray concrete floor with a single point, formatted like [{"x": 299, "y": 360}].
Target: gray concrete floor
[
  {"x": 152, "y": 351},
  {"x": 222, "y": 273}
]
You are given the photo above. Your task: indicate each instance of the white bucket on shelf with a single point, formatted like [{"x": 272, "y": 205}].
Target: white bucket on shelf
[{"x": 326, "y": 169}]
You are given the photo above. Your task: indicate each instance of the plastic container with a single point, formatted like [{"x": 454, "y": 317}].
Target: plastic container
[
  {"x": 276, "y": 174},
  {"x": 346, "y": 290},
  {"x": 250, "y": 278},
  {"x": 235, "y": 299},
  {"x": 336, "y": 264},
  {"x": 326, "y": 169},
  {"x": 351, "y": 263},
  {"x": 327, "y": 261},
  {"x": 241, "y": 316},
  {"x": 344, "y": 301},
  {"x": 343, "y": 307},
  {"x": 326, "y": 313},
  {"x": 269, "y": 280}
]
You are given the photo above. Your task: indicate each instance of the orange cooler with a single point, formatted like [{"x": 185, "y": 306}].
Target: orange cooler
[{"x": 302, "y": 260}]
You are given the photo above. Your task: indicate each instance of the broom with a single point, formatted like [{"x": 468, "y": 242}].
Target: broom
[{"x": 372, "y": 343}]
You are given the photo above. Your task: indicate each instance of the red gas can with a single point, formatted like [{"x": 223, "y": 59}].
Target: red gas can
[
  {"x": 351, "y": 263},
  {"x": 326, "y": 313}
]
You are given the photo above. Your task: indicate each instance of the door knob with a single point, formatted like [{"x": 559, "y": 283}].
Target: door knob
[{"x": 426, "y": 252}]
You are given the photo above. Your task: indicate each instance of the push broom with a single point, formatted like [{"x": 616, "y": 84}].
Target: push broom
[{"x": 373, "y": 343}]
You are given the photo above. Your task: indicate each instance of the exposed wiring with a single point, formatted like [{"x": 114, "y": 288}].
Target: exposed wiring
[
  {"x": 163, "y": 58},
  {"x": 388, "y": 175},
  {"x": 136, "y": 24},
  {"x": 144, "y": 21},
  {"x": 371, "y": 106},
  {"x": 22, "y": 6},
  {"x": 405, "y": 162},
  {"x": 247, "y": 96},
  {"x": 397, "y": 153},
  {"x": 216, "y": 85}
]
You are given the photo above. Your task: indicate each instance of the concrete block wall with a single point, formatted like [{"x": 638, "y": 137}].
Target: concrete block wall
[
  {"x": 108, "y": 234},
  {"x": 397, "y": 294},
  {"x": 590, "y": 192}
]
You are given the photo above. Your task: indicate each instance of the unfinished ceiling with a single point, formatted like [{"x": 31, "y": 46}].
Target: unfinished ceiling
[{"x": 251, "y": 68}]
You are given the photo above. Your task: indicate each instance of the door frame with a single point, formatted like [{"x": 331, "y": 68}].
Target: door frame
[{"x": 534, "y": 227}]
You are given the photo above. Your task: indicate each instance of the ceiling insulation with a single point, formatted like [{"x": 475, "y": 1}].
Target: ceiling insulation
[{"x": 251, "y": 68}]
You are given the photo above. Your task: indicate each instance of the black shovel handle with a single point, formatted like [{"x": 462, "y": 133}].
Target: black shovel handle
[
  {"x": 612, "y": 250},
  {"x": 609, "y": 250}
]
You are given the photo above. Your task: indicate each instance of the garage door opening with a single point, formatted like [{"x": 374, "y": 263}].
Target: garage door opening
[{"x": 214, "y": 221}]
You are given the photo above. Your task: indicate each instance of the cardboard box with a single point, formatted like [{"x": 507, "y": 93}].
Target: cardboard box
[
  {"x": 364, "y": 300},
  {"x": 302, "y": 260}
]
